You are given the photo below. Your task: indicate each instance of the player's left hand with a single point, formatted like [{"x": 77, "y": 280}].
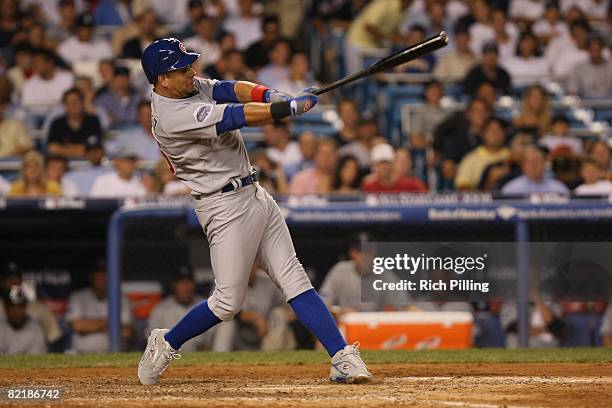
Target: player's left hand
[
  {"x": 303, "y": 103},
  {"x": 309, "y": 90},
  {"x": 272, "y": 96}
]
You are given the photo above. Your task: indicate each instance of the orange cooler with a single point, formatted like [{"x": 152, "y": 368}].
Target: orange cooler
[{"x": 408, "y": 330}]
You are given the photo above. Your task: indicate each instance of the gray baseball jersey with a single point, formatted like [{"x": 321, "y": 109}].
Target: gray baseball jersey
[
  {"x": 185, "y": 130},
  {"x": 241, "y": 225}
]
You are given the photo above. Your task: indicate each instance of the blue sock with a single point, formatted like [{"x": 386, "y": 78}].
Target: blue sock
[
  {"x": 313, "y": 313},
  {"x": 195, "y": 322}
]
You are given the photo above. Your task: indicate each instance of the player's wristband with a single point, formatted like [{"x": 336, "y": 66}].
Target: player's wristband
[
  {"x": 257, "y": 93},
  {"x": 280, "y": 110}
]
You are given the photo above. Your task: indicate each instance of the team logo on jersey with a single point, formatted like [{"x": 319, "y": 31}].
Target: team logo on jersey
[
  {"x": 202, "y": 112},
  {"x": 182, "y": 47}
]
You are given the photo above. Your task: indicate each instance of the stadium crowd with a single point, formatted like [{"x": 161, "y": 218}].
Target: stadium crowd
[
  {"x": 75, "y": 115},
  {"x": 75, "y": 111}
]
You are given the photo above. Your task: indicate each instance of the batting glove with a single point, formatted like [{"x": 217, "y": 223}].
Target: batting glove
[
  {"x": 303, "y": 103},
  {"x": 272, "y": 95}
]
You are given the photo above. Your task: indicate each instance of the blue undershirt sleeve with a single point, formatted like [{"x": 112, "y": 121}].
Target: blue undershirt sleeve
[
  {"x": 223, "y": 92},
  {"x": 233, "y": 118}
]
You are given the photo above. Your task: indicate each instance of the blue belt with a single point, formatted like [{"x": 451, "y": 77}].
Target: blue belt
[{"x": 245, "y": 181}]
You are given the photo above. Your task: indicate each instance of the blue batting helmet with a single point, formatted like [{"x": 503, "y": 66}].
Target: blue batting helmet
[{"x": 165, "y": 55}]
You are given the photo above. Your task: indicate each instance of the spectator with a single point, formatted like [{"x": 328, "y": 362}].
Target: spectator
[
  {"x": 551, "y": 25},
  {"x": 32, "y": 180},
  {"x": 277, "y": 71},
  {"x": 347, "y": 176},
  {"x": 436, "y": 19},
  {"x": 592, "y": 78},
  {"x": 85, "y": 177},
  {"x": 146, "y": 24},
  {"x": 526, "y": 11},
  {"x": 534, "y": 179},
  {"x": 458, "y": 134},
  {"x": 490, "y": 151},
  {"x": 563, "y": 53},
  {"x": 195, "y": 10},
  {"x": 256, "y": 56},
  {"x": 431, "y": 113},
  {"x": 376, "y": 25},
  {"x": 496, "y": 175},
  {"x": 230, "y": 67},
  {"x": 271, "y": 174},
  {"x": 600, "y": 152},
  {"x": 488, "y": 70},
  {"x": 23, "y": 68},
  {"x": 308, "y": 146},
  {"x": 139, "y": 139},
  {"x": 317, "y": 179},
  {"x": 594, "y": 9},
  {"x": 112, "y": 13},
  {"x": 88, "y": 314},
  {"x": 281, "y": 149},
  {"x": 384, "y": 179},
  {"x": 560, "y": 136},
  {"x": 69, "y": 132},
  {"x": 299, "y": 78},
  {"x": 481, "y": 31},
  {"x": 349, "y": 118},
  {"x": 36, "y": 310},
  {"x": 9, "y": 22},
  {"x": 121, "y": 100},
  {"x": 487, "y": 93},
  {"x": 14, "y": 139},
  {"x": 526, "y": 67},
  {"x": 170, "y": 310},
  {"x": 506, "y": 34},
  {"x": 106, "y": 70},
  {"x": 19, "y": 333},
  {"x": 342, "y": 287},
  {"x": 204, "y": 42},
  {"x": 367, "y": 130},
  {"x": 534, "y": 117},
  {"x": 422, "y": 65},
  {"x": 86, "y": 86},
  {"x": 455, "y": 64},
  {"x": 566, "y": 167},
  {"x": 82, "y": 46},
  {"x": 57, "y": 166},
  {"x": 246, "y": 26},
  {"x": 593, "y": 179},
  {"x": 123, "y": 182},
  {"x": 43, "y": 90}
]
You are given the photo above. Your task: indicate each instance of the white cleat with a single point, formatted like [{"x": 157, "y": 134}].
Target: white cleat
[
  {"x": 156, "y": 357},
  {"x": 348, "y": 367}
]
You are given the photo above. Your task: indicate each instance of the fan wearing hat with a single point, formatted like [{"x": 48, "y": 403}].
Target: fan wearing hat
[
  {"x": 182, "y": 298},
  {"x": 345, "y": 286},
  {"x": 19, "y": 333},
  {"x": 488, "y": 70},
  {"x": 82, "y": 46},
  {"x": 124, "y": 181},
  {"x": 384, "y": 179}
]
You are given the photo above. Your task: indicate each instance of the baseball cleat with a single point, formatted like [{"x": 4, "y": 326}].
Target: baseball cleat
[
  {"x": 348, "y": 367},
  {"x": 156, "y": 357}
]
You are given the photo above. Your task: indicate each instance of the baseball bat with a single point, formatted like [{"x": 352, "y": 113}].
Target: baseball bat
[{"x": 430, "y": 45}]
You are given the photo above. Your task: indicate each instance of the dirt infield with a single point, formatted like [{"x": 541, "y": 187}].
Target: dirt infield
[{"x": 301, "y": 385}]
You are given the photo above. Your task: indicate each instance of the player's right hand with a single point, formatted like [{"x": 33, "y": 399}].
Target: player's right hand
[{"x": 303, "y": 103}]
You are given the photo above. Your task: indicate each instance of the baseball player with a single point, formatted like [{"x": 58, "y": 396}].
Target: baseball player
[{"x": 196, "y": 123}]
